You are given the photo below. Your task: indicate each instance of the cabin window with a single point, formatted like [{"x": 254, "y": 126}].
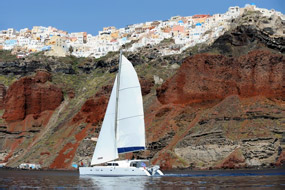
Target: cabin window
[
  {"x": 134, "y": 164},
  {"x": 112, "y": 164},
  {"x": 139, "y": 164}
]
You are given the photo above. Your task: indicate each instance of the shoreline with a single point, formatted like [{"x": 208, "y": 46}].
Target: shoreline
[{"x": 172, "y": 171}]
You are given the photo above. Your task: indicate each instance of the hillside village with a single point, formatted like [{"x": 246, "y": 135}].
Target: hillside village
[{"x": 185, "y": 31}]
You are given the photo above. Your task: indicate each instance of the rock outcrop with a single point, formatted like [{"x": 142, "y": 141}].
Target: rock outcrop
[
  {"x": 2, "y": 95},
  {"x": 93, "y": 110},
  {"x": 26, "y": 67},
  {"x": 228, "y": 112},
  {"x": 31, "y": 95},
  {"x": 29, "y": 106},
  {"x": 232, "y": 133},
  {"x": 281, "y": 159},
  {"x": 205, "y": 77},
  {"x": 244, "y": 38},
  {"x": 233, "y": 161}
]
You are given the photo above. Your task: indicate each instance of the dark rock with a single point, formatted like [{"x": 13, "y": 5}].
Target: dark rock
[
  {"x": 268, "y": 30},
  {"x": 246, "y": 37},
  {"x": 2, "y": 95},
  {"x": 28, "y": 67}
]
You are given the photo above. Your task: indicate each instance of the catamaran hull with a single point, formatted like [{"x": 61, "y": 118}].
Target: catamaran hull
[{"x": 116, "y": 171}]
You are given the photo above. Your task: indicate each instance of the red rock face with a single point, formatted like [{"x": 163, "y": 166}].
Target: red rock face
[
  {"x": 31, "y": 95},
  {"x": 206, "y": 77},
  {"x": 67, "y": 152},
  {"x": 93, "y": 110},
  {"x": 2, "y": 95},
  {"x": 146, "y": 85},
  {"x": 281, "y": 159},
  {"x": 234, "y": 160}
]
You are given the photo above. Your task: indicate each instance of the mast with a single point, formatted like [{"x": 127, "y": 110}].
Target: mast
[{"x": 117, "y": 94}]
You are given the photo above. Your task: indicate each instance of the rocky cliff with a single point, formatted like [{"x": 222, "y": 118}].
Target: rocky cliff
[
  {"x": 233, "y": 108},
  {"x": 2, "y": 95},
  {"x": 213, "y": 106},
  {"x": 29, "y": 104},
  {"x": 31, "y": 95},
  {"x": 205, "y": 77}
]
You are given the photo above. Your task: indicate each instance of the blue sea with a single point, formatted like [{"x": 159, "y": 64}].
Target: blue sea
[{"x": 224, "y": 179}]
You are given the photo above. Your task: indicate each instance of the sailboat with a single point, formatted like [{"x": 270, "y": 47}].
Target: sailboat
[{"x": 123, "y": 129}]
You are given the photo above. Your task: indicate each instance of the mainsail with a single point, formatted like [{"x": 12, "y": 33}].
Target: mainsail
[{"x": 130, "y": 129}]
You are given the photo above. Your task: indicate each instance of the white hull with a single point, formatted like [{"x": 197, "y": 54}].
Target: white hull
[{"x": 115, "y": 171}]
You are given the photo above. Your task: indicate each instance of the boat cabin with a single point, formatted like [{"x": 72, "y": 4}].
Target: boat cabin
[{"x": 129, "y": 163}]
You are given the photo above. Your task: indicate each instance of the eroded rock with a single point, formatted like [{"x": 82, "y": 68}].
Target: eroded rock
[{"x": 31, "y": 95}]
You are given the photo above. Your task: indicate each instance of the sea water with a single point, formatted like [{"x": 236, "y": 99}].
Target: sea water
[{"x": 225, "y": 179}]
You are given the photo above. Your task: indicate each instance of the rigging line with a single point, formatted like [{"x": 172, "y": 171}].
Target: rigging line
[
  {"x": 129, "y": 117},
  {"x": 117, "y": 94},
  {"x": 129, "y": 88}
]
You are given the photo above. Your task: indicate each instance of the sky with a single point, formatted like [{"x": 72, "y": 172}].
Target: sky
[{"x": 92, "y": 15}]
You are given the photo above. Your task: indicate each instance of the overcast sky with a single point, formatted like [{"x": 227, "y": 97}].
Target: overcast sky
[{"x": 92, "y": 15}]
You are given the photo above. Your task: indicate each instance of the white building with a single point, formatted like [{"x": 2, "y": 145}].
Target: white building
[
  {"x": 79, "y": 36},
  {"x": 233, "y": 12},
  {"x": 11, "y": 32},
  {"x": 23, "y": 41}
]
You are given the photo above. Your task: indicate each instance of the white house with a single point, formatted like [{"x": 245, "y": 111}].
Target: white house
[
  {"x": 11, "y": 32},
  {"x": 23, "y": 41}
]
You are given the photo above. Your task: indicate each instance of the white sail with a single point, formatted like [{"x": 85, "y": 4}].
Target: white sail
[
  {"x": 130, "y": 124},
  {"x": 106, "y": 149}
]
